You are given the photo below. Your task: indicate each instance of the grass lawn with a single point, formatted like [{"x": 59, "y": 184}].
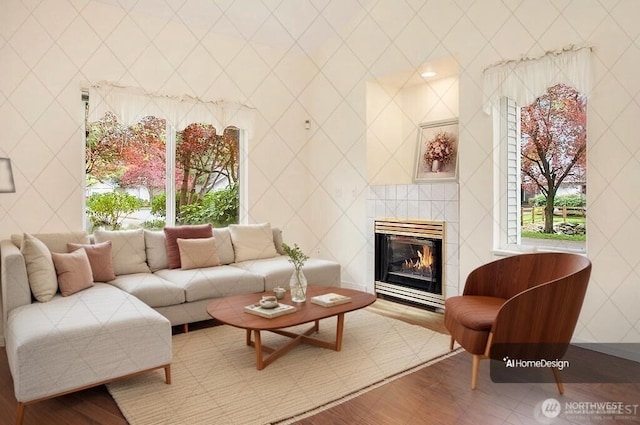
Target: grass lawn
[{"x": 539, "y": 219}]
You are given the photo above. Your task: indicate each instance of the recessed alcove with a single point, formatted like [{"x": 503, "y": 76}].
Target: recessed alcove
[{"x": 397, "y": 104}]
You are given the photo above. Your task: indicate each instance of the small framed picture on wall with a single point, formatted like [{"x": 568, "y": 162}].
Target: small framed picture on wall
[{"x": 437, "y": 152}]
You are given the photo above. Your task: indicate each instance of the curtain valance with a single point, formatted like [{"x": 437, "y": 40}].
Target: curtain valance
[
  {"x": 526, "y": 79},
  {"x": 131, "y": 104}
]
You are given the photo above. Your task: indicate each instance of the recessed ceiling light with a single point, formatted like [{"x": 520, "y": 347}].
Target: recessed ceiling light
[{"x": 428, "y": 74}]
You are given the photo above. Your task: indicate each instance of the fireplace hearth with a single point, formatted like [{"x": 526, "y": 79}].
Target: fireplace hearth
[{"x": 409, "y": 261}]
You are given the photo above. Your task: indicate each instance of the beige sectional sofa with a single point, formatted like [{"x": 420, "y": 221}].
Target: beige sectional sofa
[{"x": 121, "y": 327}]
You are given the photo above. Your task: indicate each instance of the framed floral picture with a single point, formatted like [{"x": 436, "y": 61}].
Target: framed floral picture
[{"x": 437, "y": 153}]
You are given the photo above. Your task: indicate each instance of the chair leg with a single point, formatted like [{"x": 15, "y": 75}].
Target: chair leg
[
  {"x": 474, "y": 371},
  {"x": 451, "y": 343},
  {"x": 556, "y": 374}
]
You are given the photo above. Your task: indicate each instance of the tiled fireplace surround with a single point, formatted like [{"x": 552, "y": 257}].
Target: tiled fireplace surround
[{"x": 434, "y": 201}]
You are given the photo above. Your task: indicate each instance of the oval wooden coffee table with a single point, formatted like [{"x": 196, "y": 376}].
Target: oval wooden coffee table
[{"x": 230, "y": 311}]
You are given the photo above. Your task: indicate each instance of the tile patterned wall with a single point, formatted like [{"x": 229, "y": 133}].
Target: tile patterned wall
[{"x": 310, "y": 59}]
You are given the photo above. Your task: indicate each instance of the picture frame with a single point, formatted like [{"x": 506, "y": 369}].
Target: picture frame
[{"x": 437, "y": 152}]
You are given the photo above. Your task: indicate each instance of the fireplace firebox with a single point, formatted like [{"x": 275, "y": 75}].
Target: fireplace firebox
[{"x": 409, "y": 261}]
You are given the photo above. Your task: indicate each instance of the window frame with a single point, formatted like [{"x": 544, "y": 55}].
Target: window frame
[{"x": 507, "y": 184}]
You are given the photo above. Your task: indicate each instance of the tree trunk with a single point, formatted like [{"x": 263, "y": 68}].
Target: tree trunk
[{"x": 548, "y": 214}]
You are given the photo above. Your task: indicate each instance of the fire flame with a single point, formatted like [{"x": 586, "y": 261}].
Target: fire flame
[{"x": 422, "y": 263}]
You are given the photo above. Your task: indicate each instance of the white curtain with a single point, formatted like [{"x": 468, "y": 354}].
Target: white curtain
[
  {"x": 524, "y": 80},
  {"x": 132, "y": 104}
]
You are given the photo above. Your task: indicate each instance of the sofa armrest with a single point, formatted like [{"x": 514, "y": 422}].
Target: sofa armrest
[{"x": 13, "y": 279}]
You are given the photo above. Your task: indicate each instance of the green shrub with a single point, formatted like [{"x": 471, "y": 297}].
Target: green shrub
[
  {"x": 159, "y": 205},
  {"x": 157, "y": 224},
  {"x": 110, "y": 209},
  {"x": 573, "y": 200},
  {"x": 219, "y": 208}
]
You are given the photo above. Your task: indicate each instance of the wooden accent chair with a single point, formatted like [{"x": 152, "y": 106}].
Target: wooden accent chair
[{"x": 528, "y": 298}]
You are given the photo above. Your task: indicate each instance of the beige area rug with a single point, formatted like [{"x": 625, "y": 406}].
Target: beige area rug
[{"x": 215, "y": 380}]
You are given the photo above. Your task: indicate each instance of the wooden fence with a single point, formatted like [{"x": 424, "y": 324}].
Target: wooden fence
[{"x": 564, "y": 212}]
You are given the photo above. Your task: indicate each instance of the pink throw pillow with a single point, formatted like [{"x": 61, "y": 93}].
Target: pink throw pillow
[
  {"x": 73, "y": 270},
  {"x": 99, "y": 258},
  {"x": 183, "y": 232}
]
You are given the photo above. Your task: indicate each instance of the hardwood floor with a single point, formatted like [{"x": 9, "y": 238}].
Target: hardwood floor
[{"x": 438, "y": 394}]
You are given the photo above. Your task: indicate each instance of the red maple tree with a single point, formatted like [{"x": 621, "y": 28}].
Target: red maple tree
[
  {"x": 144, "y": 154},
  {"x": 554, "y": 143},
  {"x": 205, "y": 157}
]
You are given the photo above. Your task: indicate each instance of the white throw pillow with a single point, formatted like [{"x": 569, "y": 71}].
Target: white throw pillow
[
  {"x": 198, "y": 252},
  {"x": 43, "y": 279},
  {"x": 127, "y": 250},
  {"x": 252, "y": 241}
]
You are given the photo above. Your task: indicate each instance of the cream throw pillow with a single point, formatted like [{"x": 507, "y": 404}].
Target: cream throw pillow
[
  {"x": 40, "y": 270},
  {"x": 196, "y": 253},
  {"x": 74, "y": 271},
  {"x": 252, "y": 241}
]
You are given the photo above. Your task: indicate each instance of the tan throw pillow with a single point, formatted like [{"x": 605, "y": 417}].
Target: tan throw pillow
[
  {"x": 252, "y": 241},
  {"x": 40, "y": 270},
  {"x": 196, "y": 253},
  {"x": 74, "y": 271},
  {"x": 128, "y": 253},
  {"x": 99, "y": 258},
  {"x": 183, "y": 232}
]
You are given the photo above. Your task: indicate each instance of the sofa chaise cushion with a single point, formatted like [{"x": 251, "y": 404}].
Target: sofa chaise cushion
[{"x": 90, "y": 337}]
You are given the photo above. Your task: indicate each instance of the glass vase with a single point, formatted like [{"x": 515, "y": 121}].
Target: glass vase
[{"x": 298, "y": 286}]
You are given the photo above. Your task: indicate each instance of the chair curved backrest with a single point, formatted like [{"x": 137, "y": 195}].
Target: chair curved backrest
[
  {"x": 506, "y": 277},
  {"x": 545, "y": 314}
]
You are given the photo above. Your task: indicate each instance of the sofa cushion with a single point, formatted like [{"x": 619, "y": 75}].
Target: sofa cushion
[
  {"x": 156, "y": 247},
  {"x": 213, "y": 282},
  {"x": 277, "y": 271},
  {"x": 99, "y": 256},
  {"x": 40, "y": 269},
  {"x": 184, "y": 232},
  {"x": 56, "y": 242},
  {"x": 153, "y": 290},
  {"x": 225, "y": 247},
  {"x": 74, "y": 271},
  {"x": 127, "y": 250},
  {"x": 197, "y": 253},
  {"x": 252, "y": 241},
  {"x": 89, "y": 337}
]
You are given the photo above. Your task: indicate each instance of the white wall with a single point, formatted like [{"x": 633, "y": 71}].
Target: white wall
[{"x": 314, "y": 182}]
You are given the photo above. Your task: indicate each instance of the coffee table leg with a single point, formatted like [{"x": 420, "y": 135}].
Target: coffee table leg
[
  {"x": 258, "y": 346},
  {"x": 248, "y": 336},
  {"x": 339, "y": 331}
]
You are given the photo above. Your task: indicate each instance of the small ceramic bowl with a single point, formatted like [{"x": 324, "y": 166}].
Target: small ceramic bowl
[{"x": 269, "y": 302}]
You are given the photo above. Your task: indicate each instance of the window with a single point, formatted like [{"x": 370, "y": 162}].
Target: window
[
  {"x": 543, "y": 153},
  {"x": 126, "y": 172}
]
